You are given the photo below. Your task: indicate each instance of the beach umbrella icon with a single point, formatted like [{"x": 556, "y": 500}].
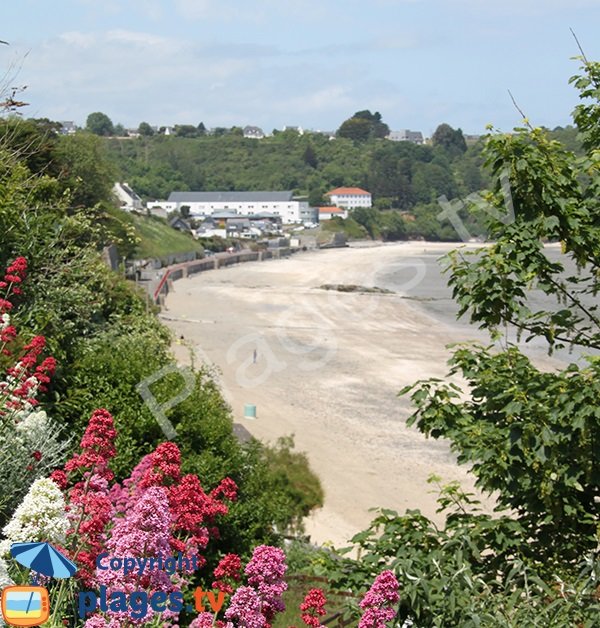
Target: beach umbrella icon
[{"x": 43, "y": 558}]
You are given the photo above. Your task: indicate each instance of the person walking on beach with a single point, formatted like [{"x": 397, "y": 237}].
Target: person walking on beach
[{"x": 254, "y": 355}]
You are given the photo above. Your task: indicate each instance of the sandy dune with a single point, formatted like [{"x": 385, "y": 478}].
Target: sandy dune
[{"x": 328, "y": 368}]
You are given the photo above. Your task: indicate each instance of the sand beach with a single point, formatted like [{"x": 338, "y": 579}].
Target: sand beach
[{"x": 326, "y": 366}]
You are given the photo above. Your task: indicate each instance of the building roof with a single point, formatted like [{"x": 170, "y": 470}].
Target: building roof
[
  {"x": 178, "y": 222},
  {"x": 253, "y": 130},
  {"x": 354, "y": 191},
  {"x": 331, "y": 210},
  {"x": 229, "y": 197}
]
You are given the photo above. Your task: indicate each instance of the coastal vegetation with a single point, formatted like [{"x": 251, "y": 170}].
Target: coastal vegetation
[
  {"x": 76, "y": 337},
  {"x": 94, "y": 471}
]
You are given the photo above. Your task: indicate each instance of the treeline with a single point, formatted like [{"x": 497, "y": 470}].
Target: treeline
[
  {"x": 406, "y": 180},
  {"x": 399, "y": 175}
]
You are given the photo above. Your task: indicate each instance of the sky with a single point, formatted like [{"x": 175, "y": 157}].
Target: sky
[{"x": 308, "y": 63}]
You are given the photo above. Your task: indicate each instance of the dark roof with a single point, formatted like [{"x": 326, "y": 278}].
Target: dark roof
[
  {"x": 227, "y": 213},
  {"x": 253, "y": 130},
  {"x": 179, "y": 223},
  {"x": 229, "y": 197}
]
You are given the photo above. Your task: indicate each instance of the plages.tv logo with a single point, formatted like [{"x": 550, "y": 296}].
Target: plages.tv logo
[{"x": 29, "y": 605}]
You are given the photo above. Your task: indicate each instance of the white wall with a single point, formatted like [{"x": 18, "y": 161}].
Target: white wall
[
  {"x": 351, "y": 200},
  {"x": 289, "y": 211}
]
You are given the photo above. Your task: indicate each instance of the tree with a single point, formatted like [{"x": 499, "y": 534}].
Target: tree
[
  {"x": 450, "y": 139},
  {"x": 367, "y": 217},
  {"x": 201, "y": 129},
  {"x": 378, "y": 127},
  {"x": 186, "y": 130},
  {"x": 532, "y": 436},
  {"x": 145, "y": 129},
  {"x": 99, "y": 123},
  {"x": 310, "y": 157},
  {"x": 86, "y": 172},
  {"x": 363, "y": 125}
]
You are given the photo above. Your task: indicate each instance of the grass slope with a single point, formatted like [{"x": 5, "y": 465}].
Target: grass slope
[{"x": 158, "y": 239}]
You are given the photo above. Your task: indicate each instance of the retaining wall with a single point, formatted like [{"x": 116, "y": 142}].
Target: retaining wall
[{"x": 159, "y": 287}]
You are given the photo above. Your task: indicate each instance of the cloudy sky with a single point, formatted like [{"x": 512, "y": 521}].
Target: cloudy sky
[{"x": 298, "y": 62}]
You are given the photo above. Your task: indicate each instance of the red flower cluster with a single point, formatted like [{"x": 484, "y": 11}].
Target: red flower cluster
[
  {"x": 59, "y": 477},
  {"x": 227, "y": 572},
  {"x": 191, "y": 508},
  {"x": 98, "y": 445},
  {"x": 27, "y": 377},
  {"x": 227, "y": 488},
  {"x": 313, "y": 607},
  {"x": 8, "y": 334},
  {"x": 14, "y": 276},
  {"x": 166, "y": 466},
  {"x": 89, "y": 504},
  {"x": 90, "y": 510}
]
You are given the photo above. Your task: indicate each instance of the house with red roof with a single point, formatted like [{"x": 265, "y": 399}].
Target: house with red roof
[
  {"x": 327, "y": 213},
  {"x": 349, "y": 197}
]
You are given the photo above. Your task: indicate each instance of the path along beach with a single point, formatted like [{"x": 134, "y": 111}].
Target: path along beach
[{"x": 326, "y": 366}]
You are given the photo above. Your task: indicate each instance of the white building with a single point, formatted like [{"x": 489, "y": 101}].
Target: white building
[
  {"x": 405, "y": 135},
  {"x": 253, "y": 132},
  {"x": 349, "y": 197},
  {"x": 281, "y": 204},
  {"x": 327, "y": 213},
  {"x": 128, "y": 199}
]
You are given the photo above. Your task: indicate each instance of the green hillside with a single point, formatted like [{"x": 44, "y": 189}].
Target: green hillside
[{"x": 150, "y": 236}]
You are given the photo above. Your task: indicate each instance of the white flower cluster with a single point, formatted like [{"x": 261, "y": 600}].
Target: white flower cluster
[
  {"x": 41, "y": 516},
  {"x": 4, "y": 321},
  {"x": 5, "y": 580}
]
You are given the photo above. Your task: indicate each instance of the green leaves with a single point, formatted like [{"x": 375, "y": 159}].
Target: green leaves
[{"x": 531, "y": 437}]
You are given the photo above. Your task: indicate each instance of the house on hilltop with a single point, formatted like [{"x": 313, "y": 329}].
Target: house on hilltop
[
  {"x": 405, "y": 135},
  {"x": 68, "y": 127},
  {"x": 253, "y": 132}
]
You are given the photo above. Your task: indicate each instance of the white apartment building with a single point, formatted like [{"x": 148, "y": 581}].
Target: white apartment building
[
  {"x": 349, "y": 197},
  {"x": 282, "y": 204}
]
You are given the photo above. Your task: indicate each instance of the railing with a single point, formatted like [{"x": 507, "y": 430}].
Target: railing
[{"x": 219, "y": 260}]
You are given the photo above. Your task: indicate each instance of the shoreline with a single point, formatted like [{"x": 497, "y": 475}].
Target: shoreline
[{"x": 328, "y": 368}]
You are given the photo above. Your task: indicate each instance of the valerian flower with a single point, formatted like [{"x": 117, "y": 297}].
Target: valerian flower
[{"x": 41, "y": 516}]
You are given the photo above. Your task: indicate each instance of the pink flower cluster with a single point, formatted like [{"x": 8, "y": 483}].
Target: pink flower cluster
[
  {"x": 144, "y": 531},
  {"x": 378, "y": 603},
  {"x": 245, "y": 610},
  {"x": 157, "y": 511},
  {"x": 265, "y": 572}
]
